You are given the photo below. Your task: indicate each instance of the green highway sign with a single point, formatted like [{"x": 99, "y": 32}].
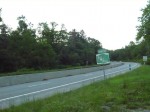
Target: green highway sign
[
  {"x": 101, "y": 51},
  {"x": 102, "y": 57}
]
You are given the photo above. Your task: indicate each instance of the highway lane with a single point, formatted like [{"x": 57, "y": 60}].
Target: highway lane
[{"x": 17, "y": 94}]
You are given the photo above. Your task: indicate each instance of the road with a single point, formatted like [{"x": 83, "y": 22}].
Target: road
[{"x": 17, "y": 94}]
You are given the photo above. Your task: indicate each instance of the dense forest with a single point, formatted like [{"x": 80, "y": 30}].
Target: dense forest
[
  {"x": 136, "y": 50},
  {"x": 44, "y": 47}
]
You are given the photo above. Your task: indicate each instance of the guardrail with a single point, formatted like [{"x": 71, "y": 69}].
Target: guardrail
[{"x": 26, "y": 78}]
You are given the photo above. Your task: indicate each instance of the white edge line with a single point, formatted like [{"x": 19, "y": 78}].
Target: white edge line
[{"x": 61, "y": 85}]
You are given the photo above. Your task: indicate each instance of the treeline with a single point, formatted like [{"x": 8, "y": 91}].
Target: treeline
[
  {"x": 44, "y": 47},
  {"x": 131, "y": 52},
  {"x": 136, "y": 51}
]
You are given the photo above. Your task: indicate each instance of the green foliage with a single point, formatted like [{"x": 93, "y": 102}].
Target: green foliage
[
  {"x": 144, "y": 27},
  {"x": 130, "y": 52},
  {"x": 148, "y": 61},
  {"x": 44, "y": 47}
]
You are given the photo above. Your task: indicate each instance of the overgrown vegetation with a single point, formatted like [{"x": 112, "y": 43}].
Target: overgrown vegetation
[
  {"x": 44, "y": 47},
  {"x": 129, "y": 91}
]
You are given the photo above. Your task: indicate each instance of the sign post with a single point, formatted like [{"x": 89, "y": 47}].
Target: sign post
[{"x": 102, "y": 58}]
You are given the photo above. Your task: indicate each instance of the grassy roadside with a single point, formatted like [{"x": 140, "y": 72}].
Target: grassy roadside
[{"x": 119, "y": 94}]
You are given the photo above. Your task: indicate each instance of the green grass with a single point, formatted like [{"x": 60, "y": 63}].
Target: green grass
[{"x": 130, "y": 91}]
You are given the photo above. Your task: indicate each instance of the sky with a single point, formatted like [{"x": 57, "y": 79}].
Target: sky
[{"x": 112, "y": 22}]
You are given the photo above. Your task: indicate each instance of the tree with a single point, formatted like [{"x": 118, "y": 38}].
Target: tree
[
  {"x": 7, "y": 58},
  {"x": 144, "y": 27},
  {"x": 49, "y": 48}
]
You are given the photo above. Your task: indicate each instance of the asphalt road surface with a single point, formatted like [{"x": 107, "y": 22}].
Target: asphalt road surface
[{"x": 17, "y": 94}]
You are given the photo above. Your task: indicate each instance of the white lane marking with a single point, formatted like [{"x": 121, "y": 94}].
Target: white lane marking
[
  {"x": 9, "y": 98},
  {"x": 118, "y": 71},
  {"x": 122, "y": 70},
  {"x": 39, "y": 84},
  {"x": 49, "y": 89}
]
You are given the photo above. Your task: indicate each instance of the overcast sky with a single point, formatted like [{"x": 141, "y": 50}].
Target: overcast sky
[{"x": 112, "y": 22}]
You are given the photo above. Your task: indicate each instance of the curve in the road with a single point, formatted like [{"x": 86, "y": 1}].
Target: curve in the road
[{"x": 63, "y": 83}]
